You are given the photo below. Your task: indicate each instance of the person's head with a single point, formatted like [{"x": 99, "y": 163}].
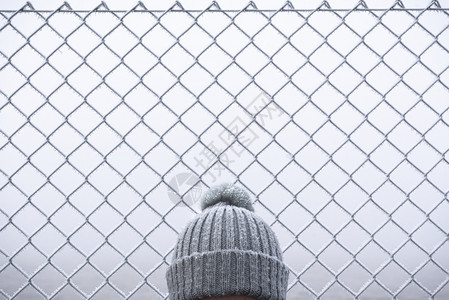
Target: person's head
[
  {"x": 227, "y": 251},
  {"x": 231, "y": 298}
]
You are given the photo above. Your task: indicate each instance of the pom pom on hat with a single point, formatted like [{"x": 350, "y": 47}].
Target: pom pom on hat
[{"x": 229, "y": 194}]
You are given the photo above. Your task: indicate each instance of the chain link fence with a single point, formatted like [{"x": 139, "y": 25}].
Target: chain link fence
[{"x": 112, "y": 124}]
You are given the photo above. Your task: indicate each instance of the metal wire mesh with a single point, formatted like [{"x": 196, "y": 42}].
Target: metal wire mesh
[{"x": 336, "y": 120}]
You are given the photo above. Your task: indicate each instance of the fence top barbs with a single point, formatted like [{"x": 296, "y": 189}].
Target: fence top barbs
[{"x": 215, "y": 7}]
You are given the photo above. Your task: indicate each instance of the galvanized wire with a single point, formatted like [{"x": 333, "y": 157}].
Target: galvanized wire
[{"x": 345, "y": 152}]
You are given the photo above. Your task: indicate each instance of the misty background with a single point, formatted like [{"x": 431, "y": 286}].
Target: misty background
[{"x": 335, "y": 121}]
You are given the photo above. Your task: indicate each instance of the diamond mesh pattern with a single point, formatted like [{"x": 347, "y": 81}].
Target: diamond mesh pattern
[{"x": 336, "y": 120}]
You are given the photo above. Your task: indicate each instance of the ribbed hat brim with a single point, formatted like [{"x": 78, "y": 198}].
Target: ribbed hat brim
[{"x": 227, "y": 272}]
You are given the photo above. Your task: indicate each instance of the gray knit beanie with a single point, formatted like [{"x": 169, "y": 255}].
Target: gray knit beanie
[{"x": 227, "y": 250}]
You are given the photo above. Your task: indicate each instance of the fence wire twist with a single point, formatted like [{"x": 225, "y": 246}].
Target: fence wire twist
[{"x": 336, "y": 120}]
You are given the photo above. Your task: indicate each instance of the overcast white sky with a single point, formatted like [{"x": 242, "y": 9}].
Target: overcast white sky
[{"x": 275, "y": 198}]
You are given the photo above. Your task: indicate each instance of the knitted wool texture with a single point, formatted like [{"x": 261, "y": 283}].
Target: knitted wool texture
[{"x": 227, "y": 250}]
